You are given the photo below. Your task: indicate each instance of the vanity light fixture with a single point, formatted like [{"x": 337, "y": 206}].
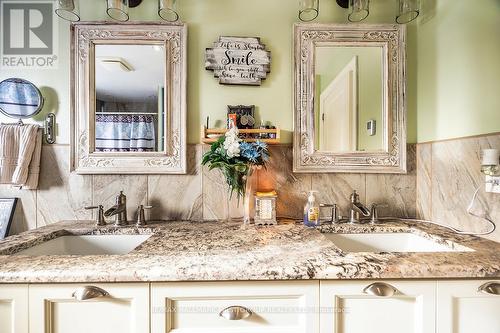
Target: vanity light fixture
[
  {"x": 360, "y": 9},
  {"x": 117, "y": 9},
  {"x": 265, "y": 208},
  {"x": 308, "y": 10},
  {"x": 68, "y": 10},
  {"x": 408, "y": 11},
  {"x": 167, "y": 10}
]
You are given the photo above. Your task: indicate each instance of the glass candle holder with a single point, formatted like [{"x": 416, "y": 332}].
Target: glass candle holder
[
  {"x": 308, "y": 10},
  {"x": 265, "y": 208},
  {"x": 408, "y": 11},
  {"x": 360, "y": 9},
  {"x": 117, "y": 10},
  {"x": 167, "y": 10},
  {"x": 68, "y": 10}
]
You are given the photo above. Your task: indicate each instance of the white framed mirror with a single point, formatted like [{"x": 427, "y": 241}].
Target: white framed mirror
[
  {"x": 349, "y": 98},
  {"x": 129, "y": 98}
]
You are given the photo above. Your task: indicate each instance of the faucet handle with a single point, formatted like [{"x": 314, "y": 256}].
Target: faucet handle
[
  {"x": 335, "y": 212},
  {"x": 354, "y": 197},
  {"x": 374, "y": 212},
  {"x": 141, "y": 217},
  {"x": 100, "y": 221}
]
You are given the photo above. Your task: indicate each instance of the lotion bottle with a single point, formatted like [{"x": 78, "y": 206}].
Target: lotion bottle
[{"x": 311, "y": 211}]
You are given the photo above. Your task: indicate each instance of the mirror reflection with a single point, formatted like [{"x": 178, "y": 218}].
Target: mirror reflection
[
  {"x": 130, "y": 108},
  {"x": 349, "y": 98},
  {"x": 19, "y": 98}
]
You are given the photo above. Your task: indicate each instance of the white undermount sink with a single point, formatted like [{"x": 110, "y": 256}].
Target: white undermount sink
[
  {"x": 389, "y": 242},
  {"x": 86, "y": 245}
]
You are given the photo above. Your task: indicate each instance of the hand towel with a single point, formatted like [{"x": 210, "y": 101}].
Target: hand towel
[
  {"x": 17, "y": 152},
  {"x": 34, "y": 168}
]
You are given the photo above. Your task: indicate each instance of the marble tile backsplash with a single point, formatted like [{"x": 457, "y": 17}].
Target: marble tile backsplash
[
  {"x": 441, "y": 177},
  {"x": 200, "y": 194},
  {"x": 448, "y": 174}
]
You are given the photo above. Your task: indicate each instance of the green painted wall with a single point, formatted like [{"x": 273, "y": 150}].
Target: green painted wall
[
  {"x": 272, "y": 20},
  {"x": 458, "y": 69}
]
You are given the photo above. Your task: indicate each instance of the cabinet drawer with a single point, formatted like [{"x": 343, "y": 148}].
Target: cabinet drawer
[
  {"x": 195, "y": 307},
  {"x": 14, "y": 308},
  {"x": 125, "y": 308},
  {"x": 468, "y": 306},
  {"x": 386, "y": 306}
]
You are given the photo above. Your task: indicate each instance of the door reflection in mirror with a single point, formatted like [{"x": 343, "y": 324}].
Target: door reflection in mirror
[
  {"x": 349, "y": 95},
  {"x": 129, "y": 86}
]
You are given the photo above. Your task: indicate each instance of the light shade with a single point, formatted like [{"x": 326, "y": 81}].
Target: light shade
[
  {"x": 360, "y": 9},
  {"x": 167, "y": 10},
  {"x": 117, "y": 10},
  {"x": 308, "y": 10},
  {"x": 408, "y": 11},
  {"x": 68, "y": 10}
]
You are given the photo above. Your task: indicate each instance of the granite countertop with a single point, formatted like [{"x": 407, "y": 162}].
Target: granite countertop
[{"x": 209, "y": 251}]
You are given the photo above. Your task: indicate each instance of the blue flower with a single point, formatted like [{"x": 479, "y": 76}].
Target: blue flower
[
  {"x": 265, "y": 155},
  {"x": 260, "y": 145},
  {"x": 250, "y": 154},
  {"x": 245, "y": 146}
]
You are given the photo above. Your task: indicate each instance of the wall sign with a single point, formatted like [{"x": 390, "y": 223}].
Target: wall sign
[{"x": 238, "y": 60}]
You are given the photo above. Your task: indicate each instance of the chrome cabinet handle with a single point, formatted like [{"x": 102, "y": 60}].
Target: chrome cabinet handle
[
  {"x": 235, "y": 312},
  {"x": 492, "y": 288},
  {"x": 89, "y": 292},
  {"x": 380, "y": 289}
]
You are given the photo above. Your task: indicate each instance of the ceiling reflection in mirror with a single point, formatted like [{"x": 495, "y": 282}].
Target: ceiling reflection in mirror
[
  {"x": 129, "y": 90},
  {"x": 349, "y": 98}
]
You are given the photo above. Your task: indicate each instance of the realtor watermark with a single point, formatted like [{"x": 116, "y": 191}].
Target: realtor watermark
[{"x": 28, "y": 35}]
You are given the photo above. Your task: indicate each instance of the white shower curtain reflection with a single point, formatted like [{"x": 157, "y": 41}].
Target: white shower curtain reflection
[{"x": 125, "y": 133}]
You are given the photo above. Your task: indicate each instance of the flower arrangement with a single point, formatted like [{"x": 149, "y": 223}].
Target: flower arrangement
[{"x": 236, "y": 159}]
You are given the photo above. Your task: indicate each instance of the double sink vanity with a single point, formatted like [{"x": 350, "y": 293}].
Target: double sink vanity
[{"x": 396, "y": 276}]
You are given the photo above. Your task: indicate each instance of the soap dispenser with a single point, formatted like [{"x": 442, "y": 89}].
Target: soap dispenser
[{"x": 311, "y": 211}]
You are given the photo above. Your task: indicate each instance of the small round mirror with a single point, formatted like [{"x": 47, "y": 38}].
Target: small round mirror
[{"x": 19, "y": 98}]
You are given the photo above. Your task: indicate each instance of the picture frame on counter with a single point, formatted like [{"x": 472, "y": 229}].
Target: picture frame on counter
[{"x": 7, "y": 209}]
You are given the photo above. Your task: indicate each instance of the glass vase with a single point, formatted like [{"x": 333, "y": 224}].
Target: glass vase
[
  {"x": 247, "y": 198},
  {"x": 242, "y": 202}
]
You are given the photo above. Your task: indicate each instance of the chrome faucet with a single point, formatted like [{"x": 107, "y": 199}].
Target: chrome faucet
[
  {"x": 119, "y": 210},
  {"x": 357, "y": 208}
]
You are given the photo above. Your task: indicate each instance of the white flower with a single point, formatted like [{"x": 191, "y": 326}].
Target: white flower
[{"x": 232, "y": 142}]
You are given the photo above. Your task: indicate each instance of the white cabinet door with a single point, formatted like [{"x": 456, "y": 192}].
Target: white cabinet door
[
  {"x": 193, "y": 307},
  {"x": 53, "y": 309},
  {"x": 346, "y": 308},
  {"x": 462, "y": 308},
  {"x": 14, "y": 308}
]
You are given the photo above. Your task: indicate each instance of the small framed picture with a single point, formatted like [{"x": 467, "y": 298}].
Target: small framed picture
[
  {"x": 242, "y": 115},
  {"x": 7, "y": 208}
]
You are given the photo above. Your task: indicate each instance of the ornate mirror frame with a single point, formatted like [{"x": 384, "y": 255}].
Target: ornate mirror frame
[
  {"x": 392, "y": 38},
  {"x": 84, "y": 37}
]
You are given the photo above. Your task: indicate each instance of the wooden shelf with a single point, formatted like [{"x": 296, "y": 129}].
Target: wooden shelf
[{"x": 206, "y": 131}]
